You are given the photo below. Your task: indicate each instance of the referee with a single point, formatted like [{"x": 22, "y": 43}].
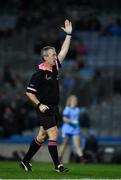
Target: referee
[{"x": 43, "y": 91}]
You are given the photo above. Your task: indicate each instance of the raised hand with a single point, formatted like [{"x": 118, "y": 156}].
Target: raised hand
[{"x": 68, "y": 27}]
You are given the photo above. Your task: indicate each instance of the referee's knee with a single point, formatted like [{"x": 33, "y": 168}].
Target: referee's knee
[{"x": 41, "y": 138}]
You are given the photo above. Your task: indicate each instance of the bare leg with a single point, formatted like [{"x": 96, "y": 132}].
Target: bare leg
[
  {"x": 63, "y": 147},
  {"x": 79, "y": 152},
  {"x": 76, "y": 141}
]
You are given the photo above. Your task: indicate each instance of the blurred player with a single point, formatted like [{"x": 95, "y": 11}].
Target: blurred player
[
  {"x": 43, "y": 91},
  {"x": 71, "y": 128}
]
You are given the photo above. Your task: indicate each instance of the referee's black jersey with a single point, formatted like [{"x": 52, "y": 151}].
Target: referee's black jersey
[{"x": 44, "y": 84}]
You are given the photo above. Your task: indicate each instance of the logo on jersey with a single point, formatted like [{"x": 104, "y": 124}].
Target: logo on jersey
[{"x": 52, "y": 78}]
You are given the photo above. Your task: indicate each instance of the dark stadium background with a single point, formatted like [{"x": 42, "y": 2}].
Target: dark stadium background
[{"x": 92, "y": 70}]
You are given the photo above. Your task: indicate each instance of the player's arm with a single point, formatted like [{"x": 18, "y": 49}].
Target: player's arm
[
  {"x": 70, "y": 121},
  {"x": 65, "y": 119},
  {"x": 65, "y": 46}
]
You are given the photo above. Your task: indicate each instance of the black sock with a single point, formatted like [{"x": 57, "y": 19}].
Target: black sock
[
  {"x": 34, "y": 147},
  {"x": 52, "y": 146}
]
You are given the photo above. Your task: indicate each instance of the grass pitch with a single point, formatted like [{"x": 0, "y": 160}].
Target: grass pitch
[{"x": 11, "y": 170}]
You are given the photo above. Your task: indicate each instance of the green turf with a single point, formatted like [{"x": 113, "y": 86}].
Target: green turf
[{"x": 11, "y": 170}]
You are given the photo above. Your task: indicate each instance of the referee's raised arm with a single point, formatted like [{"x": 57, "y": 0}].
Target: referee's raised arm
[{"x": 65, "y": 46}]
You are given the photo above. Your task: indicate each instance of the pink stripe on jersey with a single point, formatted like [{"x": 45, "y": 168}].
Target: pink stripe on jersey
[{"x": 43, "y": 67}]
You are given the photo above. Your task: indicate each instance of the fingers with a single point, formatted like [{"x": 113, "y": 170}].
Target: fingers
[
  {"x": 70, "y": 23},
  {"x": 43, "y": 108},
  {"x": 67, "y": 23},
  {"x": 62, "y": 28},
  {"x": 67, "y": 27}
]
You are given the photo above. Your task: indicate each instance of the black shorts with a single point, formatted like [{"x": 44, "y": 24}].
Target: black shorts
[{"x": 50, "y": 118}]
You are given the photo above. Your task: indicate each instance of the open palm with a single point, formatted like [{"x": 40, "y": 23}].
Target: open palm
[{"x": 68, "y": 27}]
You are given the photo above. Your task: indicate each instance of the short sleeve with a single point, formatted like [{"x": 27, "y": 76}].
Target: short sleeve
[
  {"x": 66, "y": 112},
  {"x": 34, "y": 82}
]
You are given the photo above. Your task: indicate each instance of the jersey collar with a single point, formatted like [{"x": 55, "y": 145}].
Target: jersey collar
[{"x": 43, "y": 67}]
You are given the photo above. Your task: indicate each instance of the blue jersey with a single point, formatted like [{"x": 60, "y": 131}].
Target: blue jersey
[{"x": 71, "y": 128}]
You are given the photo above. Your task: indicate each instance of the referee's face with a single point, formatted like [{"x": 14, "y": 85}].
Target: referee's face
[{"x": 52, "y": 57}]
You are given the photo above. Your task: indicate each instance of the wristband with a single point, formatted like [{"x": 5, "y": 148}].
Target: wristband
[
  {"x": 69, "y": 34},
  {"x": 38, "y": 105}
]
